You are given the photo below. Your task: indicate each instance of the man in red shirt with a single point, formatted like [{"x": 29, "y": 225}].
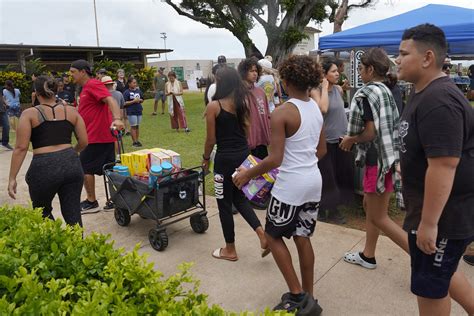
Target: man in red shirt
[{"x": 100, "y": 112}]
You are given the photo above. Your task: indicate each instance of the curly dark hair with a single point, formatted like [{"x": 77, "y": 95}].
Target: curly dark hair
[
  {"x": 302, "y": 72},
  {"x": 246, "y": 64}
]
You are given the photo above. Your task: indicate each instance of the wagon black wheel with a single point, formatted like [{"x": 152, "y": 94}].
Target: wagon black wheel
[
  {"x": 199, "y": 223},
  {"x": 158, "y": 239},
  {"x": 122, "y": 216}
]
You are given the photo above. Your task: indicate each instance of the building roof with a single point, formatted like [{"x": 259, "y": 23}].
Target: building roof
[{"x": 27, "y": 47}]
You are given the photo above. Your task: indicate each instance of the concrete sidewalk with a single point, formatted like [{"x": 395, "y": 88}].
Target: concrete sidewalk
[{"x": 253, "y": 283}]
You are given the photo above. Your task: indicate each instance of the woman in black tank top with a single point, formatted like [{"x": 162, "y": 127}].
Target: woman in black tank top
[
  {"x": 227, "y": 121},
  {"x": 55, "y": 167}
]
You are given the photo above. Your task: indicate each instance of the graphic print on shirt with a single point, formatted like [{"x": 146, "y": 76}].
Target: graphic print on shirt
[
  {"x": 134, "y": 95},
  {"x": 279, "y": 213},
  {"x": 260, "y": 105},
  {"x": 219, "y": 186},
  {"x": 403, "y": 131}
]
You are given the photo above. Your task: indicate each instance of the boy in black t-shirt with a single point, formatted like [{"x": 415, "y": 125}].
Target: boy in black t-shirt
[{"x": 437, "y": 166}]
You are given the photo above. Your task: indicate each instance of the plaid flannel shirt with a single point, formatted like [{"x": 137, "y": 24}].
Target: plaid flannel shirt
[{"x": 387, "y": 141}]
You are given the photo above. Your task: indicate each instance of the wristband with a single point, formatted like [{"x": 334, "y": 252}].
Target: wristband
[{"x": 204, "y": 158}]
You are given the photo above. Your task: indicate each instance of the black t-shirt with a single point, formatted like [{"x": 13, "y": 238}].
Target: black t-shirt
[
  {"x": 471, "y": 71},
  {"x": 120, "y": 86},
  {"x": 371, "y": 156},
  {"x": 66, "y": 96},
  {"x": 439, "y": 122},
  {"x": 70, "y": 87}
]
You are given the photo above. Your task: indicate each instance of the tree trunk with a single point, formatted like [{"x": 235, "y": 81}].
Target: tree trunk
[{"x": 340, "y": 16}]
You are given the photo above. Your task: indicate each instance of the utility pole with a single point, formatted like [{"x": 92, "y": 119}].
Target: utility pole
[
  {"x": 164, "y": 37},
  {"x": 96, "y": 26}
]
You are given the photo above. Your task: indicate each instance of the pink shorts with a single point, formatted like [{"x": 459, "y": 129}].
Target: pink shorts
[{"x": 370, "y": 180}]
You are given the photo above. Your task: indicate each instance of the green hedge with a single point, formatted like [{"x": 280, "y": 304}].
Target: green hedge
[{"x": 49, "y": 269}]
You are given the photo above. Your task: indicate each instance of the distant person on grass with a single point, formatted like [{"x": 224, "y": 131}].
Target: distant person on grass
[
  {"x": 437, "y": 167},
  {"x": 100, "y": 112},
  {"x": 159, "y": 85},
  {"x": 12, "y": 99},
  {"x": 133, "y": 97},
  {"x": 4, "y": 122},
  {"x": 174, "y": 92},
  {"x": 227, "y": 123},
  {"x": 55, "y": 167},
  {"x": 297, "y": 143}
]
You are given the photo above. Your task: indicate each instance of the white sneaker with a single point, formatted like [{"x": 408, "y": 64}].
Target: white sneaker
[{"x": 355, "y": 258}]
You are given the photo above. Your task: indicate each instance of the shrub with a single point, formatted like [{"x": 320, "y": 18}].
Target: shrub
[
  {"x": 20, "y": 81},
  {"x": 46, "y": 268}
]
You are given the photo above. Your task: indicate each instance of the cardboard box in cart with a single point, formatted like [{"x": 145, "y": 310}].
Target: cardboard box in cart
[
  {"x": 175, "y": 157},
  {"x": 157, "y": 158}
]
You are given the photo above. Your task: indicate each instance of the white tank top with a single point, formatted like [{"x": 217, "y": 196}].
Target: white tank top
[{"x": 299, "y": 180}]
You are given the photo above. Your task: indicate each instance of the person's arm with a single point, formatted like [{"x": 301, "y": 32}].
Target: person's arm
[
  {"x": 23, "y": 136},
  {"x": 210, "y": 114},
  {"x": 321, "y": 96},
  {"x": 345, "y": 86},
  {"x": 115, "y": 109},
  {"x": 33, "y": 98},
  {"x": 321, "y": 149},
  {"x": 439, "y": 181},
  {"x": 80, "y": 132},
  {"x": 154, "y": 84},
  {"x": 274, "y": 158},
  {"x": 127, "y": 97},
  {"x": 368, "y": 134}
]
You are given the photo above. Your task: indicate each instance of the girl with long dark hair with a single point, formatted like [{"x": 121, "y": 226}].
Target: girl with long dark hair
[{"x": 227, "y": 124}]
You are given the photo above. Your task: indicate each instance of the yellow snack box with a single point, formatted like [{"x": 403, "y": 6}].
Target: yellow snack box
[
  {"x": 126, "y": 160},
  {"x": 139, "y": 161}
]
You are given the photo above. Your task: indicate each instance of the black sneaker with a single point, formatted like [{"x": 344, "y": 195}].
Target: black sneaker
[
  {"x": 312, "y": 308},
  {"x": 88, "y": 206},
  {"x": 135, "y": 144},
  {"x": 289, "y": 305},
  {"x": 8, "y": 147},
  {"x": 138, "y": 144},
  {"x": 468, "y": 259},
  {"x": 109, "y": 205}
]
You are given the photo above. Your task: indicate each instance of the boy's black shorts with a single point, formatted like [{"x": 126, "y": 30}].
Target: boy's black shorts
[
  {"x": 431, "y": 274},
  {"x": 289, "y": 220},
  {"x": 95, "y": 156}
]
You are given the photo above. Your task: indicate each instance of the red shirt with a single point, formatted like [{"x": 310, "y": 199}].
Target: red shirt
[
  {"x": 259, "y": 118},
  {"x": 96, "y": 114}
]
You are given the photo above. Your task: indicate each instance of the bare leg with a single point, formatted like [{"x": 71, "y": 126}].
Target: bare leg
[
  {"x": 229, "y": 250},
  {"x": 261, "y": 235},
  {"x": 155, "y": 106},
  {"x": 163, "y": 106},
  {"x": 462, "y": 292},
  {"x": 377, "y": 206},
  {"x": 371, "y": 231},
  {"x": 434, "y": 307},
  {"x": 133, "y": 132},
  {"x": 282, "y": 257},
  {"x": 89, "y": 185},
  {"x": 306, "y": 256}
]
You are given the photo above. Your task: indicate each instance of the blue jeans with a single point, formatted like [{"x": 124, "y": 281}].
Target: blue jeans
[{"x": 5, "y": 128}]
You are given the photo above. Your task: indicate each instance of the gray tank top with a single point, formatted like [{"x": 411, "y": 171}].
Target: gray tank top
[{"x": 335, "y": 120}]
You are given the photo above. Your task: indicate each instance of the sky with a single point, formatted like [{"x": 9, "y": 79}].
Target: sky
[{"x": 138, "y": 23}]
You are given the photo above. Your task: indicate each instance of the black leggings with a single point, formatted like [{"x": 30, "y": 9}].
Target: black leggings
[
  {"x": 227, "y": 194},
  {"x": 57, "y": 172}
]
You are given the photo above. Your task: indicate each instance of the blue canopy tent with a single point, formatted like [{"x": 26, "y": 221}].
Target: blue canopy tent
[{"x": 457, "y": 23}]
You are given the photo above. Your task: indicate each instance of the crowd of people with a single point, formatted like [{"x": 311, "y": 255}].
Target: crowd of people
[{"x": 294, "y": 119}]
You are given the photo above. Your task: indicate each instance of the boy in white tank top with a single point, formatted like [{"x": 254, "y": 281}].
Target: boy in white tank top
[{"x": 295, "y": 148}]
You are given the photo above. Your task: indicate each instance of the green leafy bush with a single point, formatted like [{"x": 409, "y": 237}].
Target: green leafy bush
[
  {"x": 48, "y": 269},
  {"x": 20, "y": 81}
]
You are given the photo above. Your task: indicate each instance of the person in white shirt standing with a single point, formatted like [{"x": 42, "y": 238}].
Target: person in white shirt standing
[{"x": 297, "y": 143}]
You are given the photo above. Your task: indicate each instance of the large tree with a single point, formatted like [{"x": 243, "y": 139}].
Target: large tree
[
  {"x": 283, "y": 20},
  {"x": 341, "y": 14}
]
